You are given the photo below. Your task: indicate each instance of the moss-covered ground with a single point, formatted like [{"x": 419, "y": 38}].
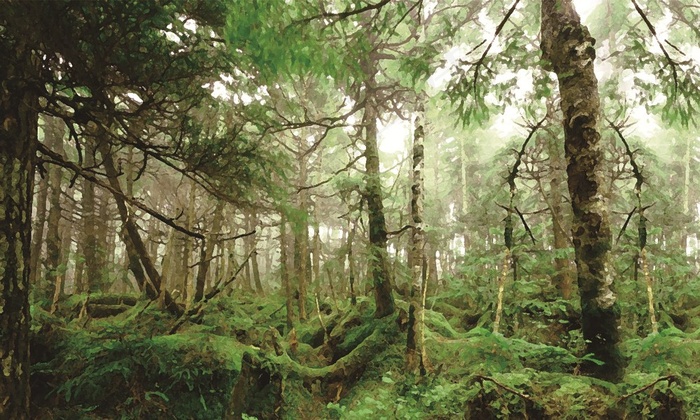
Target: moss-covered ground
[{"x": 238, "y": 360}]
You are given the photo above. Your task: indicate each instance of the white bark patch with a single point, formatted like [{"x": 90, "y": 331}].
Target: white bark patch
[
  {"x": 7, "y": 363},
  {"x": 606, "y": 298}
]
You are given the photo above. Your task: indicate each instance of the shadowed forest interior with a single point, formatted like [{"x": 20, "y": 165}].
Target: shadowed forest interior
[{"x": 410, "y": 209}]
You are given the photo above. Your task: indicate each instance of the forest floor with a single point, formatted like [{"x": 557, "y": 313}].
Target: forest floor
[{"x": 120, "y": 357}]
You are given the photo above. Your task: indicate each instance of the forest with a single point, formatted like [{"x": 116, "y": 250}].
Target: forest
[{"x": 349, "y": 209}]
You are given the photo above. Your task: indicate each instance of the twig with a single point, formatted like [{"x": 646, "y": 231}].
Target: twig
[
  {"x": 527, "y": 228},
  {"x": 514, "y": 171},
  {"x": 400, "y": 231},
  {"x": 671, "y": 62},
  {"x": 669, "y": 378},
  {"x": 513, "y": 391},
  {"x": 635, "y": 168},
  {"x": 622, "y": 231},
  {"x": 499, "y": 28},
  {"x": 342, "y": 15}
]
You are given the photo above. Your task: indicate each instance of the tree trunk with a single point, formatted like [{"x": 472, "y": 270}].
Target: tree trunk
[
  {"x": 284, "y": 268},
  {"x": 89, "y": 239},
  {"x": 375, "y": 207},
  {"x": 562, "y": 279},
  {"x": 53, "y": 136},
  {"x": 351, "y": 264},
  {"x": 207, "y": 252},
  {"x": 187, "y": 245},
  {"x": 38, "y": 230},
  {"x": 316, "y": 262},
  {"x": 252, "y": 225},
  {"x": 135, "y": 246},
  {"x": 301, "y": 241},
  {"x": 568, "y": 46},
  {"x": 18, "y": 138},
  {"x": 414, "y": 347}
]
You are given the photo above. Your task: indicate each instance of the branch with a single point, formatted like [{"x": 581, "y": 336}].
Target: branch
[
  {"x": 400, "y": 231},
  {"x": 346, "y": 14},
  {"x": 669, "y": 378},
  {"x": 671, "y": 62},
  {"x": 514, "y": 172},
  {"x": 58, "y": 160},
  {"x": 242, "y": 235},
  {"x": 499, "y": 28},
  {"x": 635, "y": 168},
  {"x": 527, "y": 228},
  {"x": 338, "y": 172},
  {"x": 513, "y": 391}
]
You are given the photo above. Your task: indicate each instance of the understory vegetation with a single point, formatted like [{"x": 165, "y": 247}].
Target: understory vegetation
[{"x": 237, "y": 359}]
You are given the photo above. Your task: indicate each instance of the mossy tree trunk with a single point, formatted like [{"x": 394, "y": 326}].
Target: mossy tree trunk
[
  {"x": 568, "y": 46},
  {"x": 89, "y": 218},
  {"x": 563, "y": 277},
  {"x": 18, "y": 139},
  {"x": 379, "y": 264},
  {"x": 414, "y": 347}
]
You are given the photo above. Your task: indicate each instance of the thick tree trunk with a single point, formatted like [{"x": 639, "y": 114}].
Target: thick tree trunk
[
  {"x": 18, "y": 137},
  {"x": 568, "y": 46}
]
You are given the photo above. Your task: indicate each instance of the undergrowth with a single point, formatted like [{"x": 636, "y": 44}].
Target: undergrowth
[{"x": 129, "y": 366}]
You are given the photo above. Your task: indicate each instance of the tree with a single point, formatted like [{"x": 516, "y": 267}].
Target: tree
[
  {"x": 568, "y": 46},
  {"x": 415, "y": 349},
  {"x": 115, "y": 74},
  {"x": 18, "y": 137}
]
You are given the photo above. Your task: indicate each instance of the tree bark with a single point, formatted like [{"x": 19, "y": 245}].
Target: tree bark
[
  {"x": 414, "y": 345},
  {"x": 284, "y": 268},
  {"x": 39, "y": 219},
  {"x": 254, "y": 267},
  {"x": 208, "y": 252},
  {"x": 18, "y": 141},
  {"x": 351, "y": 264},
  {"x": 89, "y": 218},
  {"x": 379, "y": 266},
  {"x": 53, "y": 137},
  {"x": 562, "y": 279},
  {"x": 568, "y": 46}
]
